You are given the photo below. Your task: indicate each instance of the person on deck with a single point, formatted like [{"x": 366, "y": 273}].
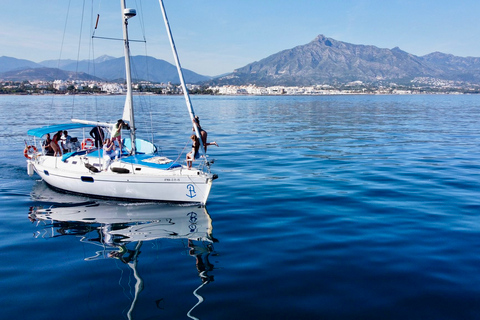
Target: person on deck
[
  {"x": 203, "y": 134},
  {"x": 46, "y": 145},
  {"x": 97, "y": 134},
  {"x": 109, "y": 153},
  {"x": 192, "y": 155},
  {"x": 117, "y": 133},
  {"x": 57, "y": 151},
  {"x": 66, "y": 142}
]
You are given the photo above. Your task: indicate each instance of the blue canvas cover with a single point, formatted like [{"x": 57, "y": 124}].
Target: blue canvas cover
[{"x": 40, "y": 132}]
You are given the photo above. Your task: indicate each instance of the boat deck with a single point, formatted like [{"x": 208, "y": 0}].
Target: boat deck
[
  {"x": 151, "y": 161},
  {"x": 147, "y": 160}
]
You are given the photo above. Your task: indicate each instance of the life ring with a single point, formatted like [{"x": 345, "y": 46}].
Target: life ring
[
  {"x": 87, "y": 144},
  {"x": 29, "y": 152}
]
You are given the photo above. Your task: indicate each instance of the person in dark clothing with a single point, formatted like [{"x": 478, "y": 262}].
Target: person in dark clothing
[
  {"x": 97, "y": 134},
  {"x": 192, "y": 155},
  {"x": 203, "y": 134}
]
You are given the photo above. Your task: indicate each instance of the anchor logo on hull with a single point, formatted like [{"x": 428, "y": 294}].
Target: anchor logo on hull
[{"x": 191, "y": 191}]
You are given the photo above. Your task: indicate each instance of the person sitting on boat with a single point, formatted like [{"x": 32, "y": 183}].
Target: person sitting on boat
[
  {"x": 109, "y": 153},
  {"x": 97, "y": 134},
  {"x": 46, "y": 145},
  {"x": 194, "y": 153},
  {"x": 203, "y": 134},
  {"x": 75, "y": 144},
  {"x": 57, "y": 151},
  {"x": 117, "y": 133},
  {"x": 66, "y": 142}
]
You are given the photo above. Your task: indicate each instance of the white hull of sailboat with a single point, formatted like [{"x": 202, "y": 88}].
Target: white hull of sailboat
[{"x": 140, "y": 183}]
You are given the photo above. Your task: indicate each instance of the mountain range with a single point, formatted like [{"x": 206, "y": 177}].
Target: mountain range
[
  {"x": 328, "y": 61},
  {"x": 322, "y": 61},
  {"x": 103, "y": 68}
]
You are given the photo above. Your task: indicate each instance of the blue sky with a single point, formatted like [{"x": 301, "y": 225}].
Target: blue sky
[{"x": 218, "y": 36}]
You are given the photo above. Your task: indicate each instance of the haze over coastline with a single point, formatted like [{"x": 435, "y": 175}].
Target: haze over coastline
[{"x": 217, "y": 37}]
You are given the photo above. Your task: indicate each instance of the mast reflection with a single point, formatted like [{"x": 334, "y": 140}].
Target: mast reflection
[{"x": 120, "y": 229}]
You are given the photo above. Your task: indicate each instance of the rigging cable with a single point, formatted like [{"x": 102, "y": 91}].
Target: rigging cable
[
  {"x": 78, "y": 52},
  {"x": 91, "y": 59},
  {"x": 142, "y": 25},
  {"x": 64, "y": 32},
  {"x": 61, "y": 46}
]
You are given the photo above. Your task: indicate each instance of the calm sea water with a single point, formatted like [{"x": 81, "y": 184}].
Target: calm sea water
[{"x": 341, "y": 207}]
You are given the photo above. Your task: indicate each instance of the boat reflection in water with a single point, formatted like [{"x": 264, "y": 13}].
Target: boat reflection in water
[{"x": 122, "y": 228}]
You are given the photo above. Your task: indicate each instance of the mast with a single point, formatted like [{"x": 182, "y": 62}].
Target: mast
[
  {"x": 180, "y": 75},
  {"x": 128, "y": 108}
]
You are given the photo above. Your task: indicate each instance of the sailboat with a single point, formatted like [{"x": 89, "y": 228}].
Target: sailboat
[{"x": 138, "y": 172}]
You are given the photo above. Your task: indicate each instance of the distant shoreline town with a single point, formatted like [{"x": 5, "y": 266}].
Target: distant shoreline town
[
  {"x": 323, "y": 66},
  {"x": 417, "y": 86}
]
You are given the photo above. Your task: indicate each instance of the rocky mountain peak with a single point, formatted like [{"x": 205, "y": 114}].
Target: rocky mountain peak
[
  {"x": 321, "y": 39},
  {"x": 325, "y": 61}
]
